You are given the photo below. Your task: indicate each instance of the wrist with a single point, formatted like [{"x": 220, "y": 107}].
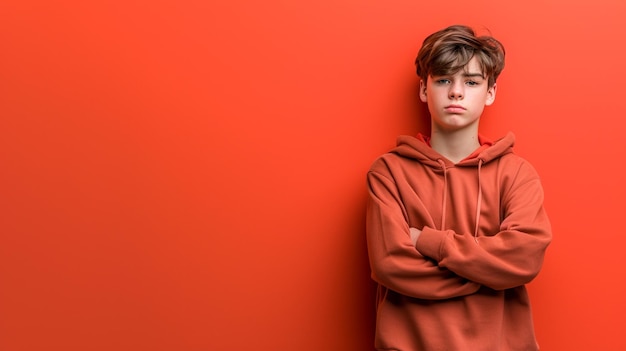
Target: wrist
[{"x": 414, "y": 234}]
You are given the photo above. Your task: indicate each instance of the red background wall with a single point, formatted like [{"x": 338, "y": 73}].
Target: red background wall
[{"x": 190, "y": 175}]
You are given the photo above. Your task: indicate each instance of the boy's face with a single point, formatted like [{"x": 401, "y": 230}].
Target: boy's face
[{"x": 457, "y": 101}]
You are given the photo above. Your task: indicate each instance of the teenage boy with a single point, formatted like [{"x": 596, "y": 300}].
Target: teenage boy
[{"x": 455, "y": 223}]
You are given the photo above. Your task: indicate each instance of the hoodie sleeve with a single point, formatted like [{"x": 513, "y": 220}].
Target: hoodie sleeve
[
  {"x": 510, "y": 258},
  {"x": 395, "y": 263}
]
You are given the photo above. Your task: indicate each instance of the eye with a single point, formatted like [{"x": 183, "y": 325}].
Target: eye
[
  {"x": 472, "y": 83},
  {"x": 442, "y": 81}
]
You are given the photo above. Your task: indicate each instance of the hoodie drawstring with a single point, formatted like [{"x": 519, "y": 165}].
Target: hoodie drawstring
[
  {"x": 445, "y": 193},
  {"x": 478, "y": 202}
]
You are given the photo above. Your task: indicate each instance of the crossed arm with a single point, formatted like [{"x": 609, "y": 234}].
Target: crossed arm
[{"x": 431, "y": 263}]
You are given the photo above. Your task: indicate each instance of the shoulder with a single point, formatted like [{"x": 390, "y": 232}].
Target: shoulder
[
  {"x": 516, "y": 165},
  {"x": 518, "y": 177},
  {"x": 387, "y": 161}
]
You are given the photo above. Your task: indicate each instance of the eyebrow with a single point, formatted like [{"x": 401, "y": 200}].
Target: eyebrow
[{"x": 473, "y": 75}]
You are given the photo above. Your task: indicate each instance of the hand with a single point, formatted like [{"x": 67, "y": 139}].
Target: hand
[{"x": 415, "y": 233}]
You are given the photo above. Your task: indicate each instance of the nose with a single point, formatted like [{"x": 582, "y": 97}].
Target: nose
[{"x": 456, "y": 90}]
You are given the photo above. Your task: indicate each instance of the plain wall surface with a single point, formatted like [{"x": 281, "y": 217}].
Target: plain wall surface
[{"x": 190, "y": 175}]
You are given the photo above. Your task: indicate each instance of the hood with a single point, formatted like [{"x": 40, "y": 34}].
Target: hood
[{"x": 413, "y": 148}]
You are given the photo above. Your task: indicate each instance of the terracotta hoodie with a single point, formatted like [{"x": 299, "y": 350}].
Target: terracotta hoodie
[{"x": 484, "y": 235}]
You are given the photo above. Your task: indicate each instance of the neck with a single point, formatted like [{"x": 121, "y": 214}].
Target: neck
[{"x": 455, "y": 145}]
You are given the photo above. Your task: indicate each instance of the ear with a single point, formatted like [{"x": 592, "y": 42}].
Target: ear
[
  {"x": 423, "y": 96},
  {"x": 491, "y": 95}
]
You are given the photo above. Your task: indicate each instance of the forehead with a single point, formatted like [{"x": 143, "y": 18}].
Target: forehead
[{"x": 472, "y": 68}]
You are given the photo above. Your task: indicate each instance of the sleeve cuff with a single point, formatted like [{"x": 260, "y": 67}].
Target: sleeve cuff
[{"x": 430, "y": 243}]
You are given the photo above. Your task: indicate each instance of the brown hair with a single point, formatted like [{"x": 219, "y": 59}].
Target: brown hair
[{"x": 450, "y": 50}]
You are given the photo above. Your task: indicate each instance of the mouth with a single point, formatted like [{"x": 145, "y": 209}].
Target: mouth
[{"x": 454, "y": 109}]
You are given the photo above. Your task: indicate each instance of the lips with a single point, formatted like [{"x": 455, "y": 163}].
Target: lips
[{"x": 454, "y": 109}]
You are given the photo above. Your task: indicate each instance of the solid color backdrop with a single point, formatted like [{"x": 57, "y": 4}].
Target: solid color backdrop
[{"x": 190, "y": 175}]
